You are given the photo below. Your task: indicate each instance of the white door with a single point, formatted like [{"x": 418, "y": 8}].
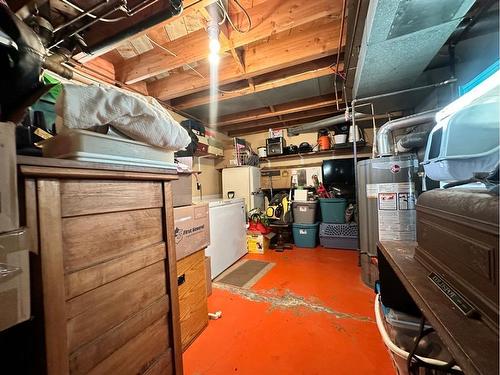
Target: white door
[{"x": 227, "y": 236}]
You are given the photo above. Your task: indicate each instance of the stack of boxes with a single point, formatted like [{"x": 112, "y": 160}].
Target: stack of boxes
[
  {"x": 334, "y": 232},
  {"x": 305, "y": 225},
  {"x": 192, "y": 236}
]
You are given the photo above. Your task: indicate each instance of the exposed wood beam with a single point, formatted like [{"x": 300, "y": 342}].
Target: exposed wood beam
[
  {"x": 326, "y": 111},
  {"x": 271, "y": 17},
  {"x": 277, "y": 110},
  {"x": 190, "y": 8},
  {"x": 258, "y": 129},
  {"x": 299, "y": 46},
  {"x": 228, "y": 45},
  {"x": 298, "y": 73},
  {"x": 302, "y": 119}
]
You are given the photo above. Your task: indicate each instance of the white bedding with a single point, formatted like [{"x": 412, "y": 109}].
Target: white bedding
[{"x": 139, "y": 117}]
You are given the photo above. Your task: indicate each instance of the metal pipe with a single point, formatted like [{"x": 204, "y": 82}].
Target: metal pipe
[
  {"x": 351, "y": 44},
  {"x": 341, "y": 36},
  {"x": 434, "y": 85},
  {"x": 339, "y": 119},
  {"x": 82, "y": 15},
  {"x": 54, "y": 63},
  {"x": 338, "y": 53},
  {"x": 112, "y": 10},
  {"x": 385, "y": 142},
  {"x": 174, "y": 10},
  {"x": 413, "y": 140}
]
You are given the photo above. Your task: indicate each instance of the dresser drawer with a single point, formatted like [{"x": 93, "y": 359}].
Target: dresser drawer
[
  {"x": 90, "y": 355},
  {"x": 84, "y": 197},
  {"x": 192, "y": 296},
  {"x": 93, "y": 239},
  {"x": 93, "y": 313}
]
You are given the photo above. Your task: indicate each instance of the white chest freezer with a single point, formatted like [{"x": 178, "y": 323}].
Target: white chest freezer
[{"x": 227, "y": 234}]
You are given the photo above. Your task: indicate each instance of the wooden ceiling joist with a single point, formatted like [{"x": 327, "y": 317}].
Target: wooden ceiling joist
[
  {"x": 191, "y": 7},
  {"x": 271, "y": 17},
  {"x": 277, "y": 110},
  {"x": 302, "y": 44},
  {"x": 298, "y": 73},
  {"x": 279, "y": 120},
  {"x": 264, "y": 127}
]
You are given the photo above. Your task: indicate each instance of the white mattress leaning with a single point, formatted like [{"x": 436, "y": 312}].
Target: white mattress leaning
[
  {"x": 138, "y": 117},
  {"x": 83, "y": 145}
]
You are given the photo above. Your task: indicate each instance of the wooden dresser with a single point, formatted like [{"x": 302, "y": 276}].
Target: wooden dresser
[{"x": 104, "y": 277}]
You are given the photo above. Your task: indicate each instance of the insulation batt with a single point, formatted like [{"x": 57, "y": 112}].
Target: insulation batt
[{"x": 138, "y": 117}]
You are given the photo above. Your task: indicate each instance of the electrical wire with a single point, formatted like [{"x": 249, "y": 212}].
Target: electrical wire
[
  {"x": 173, "y": 54},
  {"x": 228, "y": 17},
  {"x": 76, "y": 7}
]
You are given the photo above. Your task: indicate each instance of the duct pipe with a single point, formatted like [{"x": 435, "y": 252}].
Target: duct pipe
[
  {"x": 174, "y": 10},
  {"x": 325, "y": 123},
  {"x": 413, "y": 140},
  {"x": 385, "y": 143},
  {"x": 54, "y": 63}
]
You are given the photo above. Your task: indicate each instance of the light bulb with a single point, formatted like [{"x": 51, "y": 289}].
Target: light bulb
[
  {"x": 213, "y": 58},
  {"x": 214, "y": 45}
]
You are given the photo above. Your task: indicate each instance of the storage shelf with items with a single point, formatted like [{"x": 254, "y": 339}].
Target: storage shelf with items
[{"x": 365, "y": 151}]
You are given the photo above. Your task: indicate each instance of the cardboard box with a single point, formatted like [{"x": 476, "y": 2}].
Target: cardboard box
[
  {"x": 258, "y": 243},
  {"x": 15, "y": 280},
  {"x": 208, "y": 274},
  {"x": 192, "y": 296},
  {"x": 182, "y": 190},
  {"x": 9, "y": 212},
  {"x": 215, "y": 151},
  {"x": 192, "y": 229}
]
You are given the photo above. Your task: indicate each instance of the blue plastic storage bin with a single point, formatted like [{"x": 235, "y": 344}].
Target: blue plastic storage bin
[
  {"x": 305, "y": 235},
  {"x": 333, "y": 210}
]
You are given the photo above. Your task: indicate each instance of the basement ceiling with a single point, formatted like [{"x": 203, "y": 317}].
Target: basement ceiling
[
  {"x": 400, "y": 39},
  {"x": 301, "y": 90}
]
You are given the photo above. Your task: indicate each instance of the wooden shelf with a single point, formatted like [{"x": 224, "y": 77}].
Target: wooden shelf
[
  {"x": 471, "y": 343},
  {"x": 333, "y": 152}
]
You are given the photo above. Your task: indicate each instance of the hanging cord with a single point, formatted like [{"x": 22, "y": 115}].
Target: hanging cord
[
  {"x": 173, "y": 54},
  {"x": 414, "y": 363},
  {"x": 228, "y": 17}
]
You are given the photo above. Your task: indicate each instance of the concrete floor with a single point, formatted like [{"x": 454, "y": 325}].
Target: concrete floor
[{"x": 311, "y": 314}]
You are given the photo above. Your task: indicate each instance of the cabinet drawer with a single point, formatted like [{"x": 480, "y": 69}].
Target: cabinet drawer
[
  {"x": 135, "y": 356},
  {"x": 162, "y": 366},
  {"x": 84, "y": 197},
  {"x": 93, "y": 313},
  {"x": 88, "y": 356},
  {"x": 192, "y": 296},
  {"x": 92, "y": 239}
]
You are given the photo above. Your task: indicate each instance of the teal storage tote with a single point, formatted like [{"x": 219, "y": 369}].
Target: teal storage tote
[
  {"x": 305, "y": 235},
  {"x": 333, "y": 210}
]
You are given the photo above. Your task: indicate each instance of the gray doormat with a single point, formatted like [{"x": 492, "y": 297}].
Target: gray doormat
[{"x": 245, "y": 273}]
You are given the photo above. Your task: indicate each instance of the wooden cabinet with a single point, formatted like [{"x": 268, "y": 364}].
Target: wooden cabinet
[
  {"x": 104, "y": 242},
  {"x": 192, "y": 296}
]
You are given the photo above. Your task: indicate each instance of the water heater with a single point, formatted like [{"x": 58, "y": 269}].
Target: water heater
[{"x": 387, "y": 192}]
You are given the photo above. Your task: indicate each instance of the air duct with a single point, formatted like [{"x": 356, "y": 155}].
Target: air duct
[
  {"x": 325, "y": 123},
  {"x": 385, "y": 141}
]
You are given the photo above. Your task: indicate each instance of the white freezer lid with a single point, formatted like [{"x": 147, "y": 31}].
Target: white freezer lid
[{"x": 225, "y": 202}]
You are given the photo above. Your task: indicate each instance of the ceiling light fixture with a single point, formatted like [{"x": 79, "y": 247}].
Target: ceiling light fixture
[{"x": 213, "y": 42}]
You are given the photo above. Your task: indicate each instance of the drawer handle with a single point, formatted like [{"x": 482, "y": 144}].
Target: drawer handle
[{"x": 181, "y": 279}]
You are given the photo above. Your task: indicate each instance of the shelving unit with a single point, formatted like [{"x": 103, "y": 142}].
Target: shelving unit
[{"x": 334, "y": 152}]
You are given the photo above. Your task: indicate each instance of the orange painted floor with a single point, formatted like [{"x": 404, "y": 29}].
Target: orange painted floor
[{"x": 311, "y": 314}]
